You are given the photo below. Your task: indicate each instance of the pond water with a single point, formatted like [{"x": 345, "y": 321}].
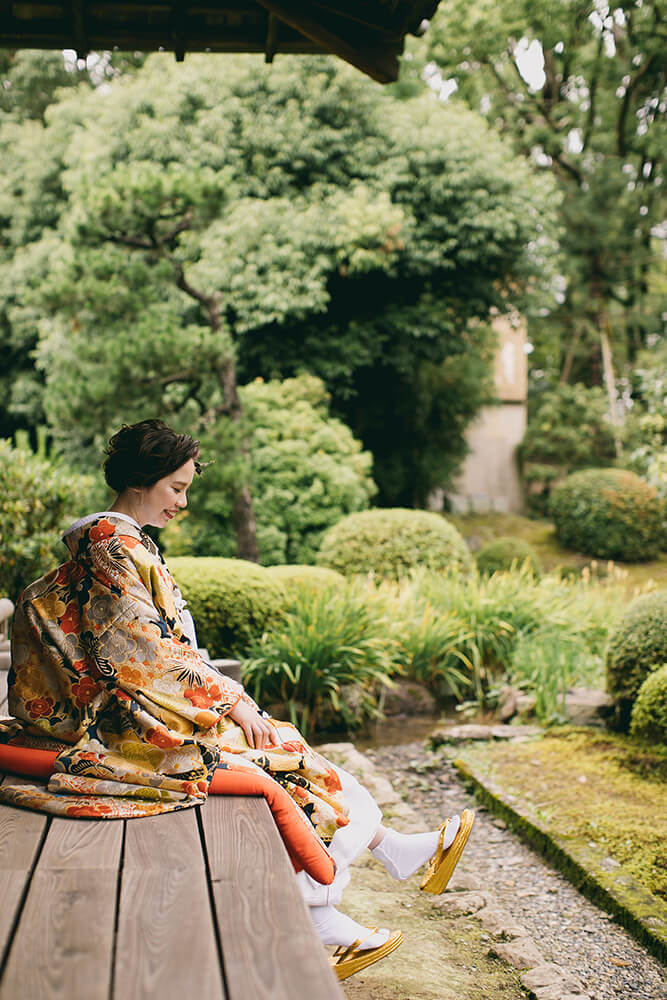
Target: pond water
[{"x": 399, "y": 729}]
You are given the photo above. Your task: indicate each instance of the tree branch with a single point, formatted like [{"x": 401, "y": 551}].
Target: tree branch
[
  {"x": 625, "y": 104},
  {"x": 592, "y": 90}
]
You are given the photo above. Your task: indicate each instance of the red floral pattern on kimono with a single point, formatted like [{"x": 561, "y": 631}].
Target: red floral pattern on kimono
[{"x": 102, "y": 664}]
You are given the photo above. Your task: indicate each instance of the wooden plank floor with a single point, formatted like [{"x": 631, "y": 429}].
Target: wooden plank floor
[{"x": 200, "y": 901}]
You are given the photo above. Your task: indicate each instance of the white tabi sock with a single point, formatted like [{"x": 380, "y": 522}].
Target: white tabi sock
[
  {"x": 403, "y": 853},
  {"x": 334, "y": 927}
]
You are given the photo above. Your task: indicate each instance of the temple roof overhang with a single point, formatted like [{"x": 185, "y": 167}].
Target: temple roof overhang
[{"x": 369, "y": 34}]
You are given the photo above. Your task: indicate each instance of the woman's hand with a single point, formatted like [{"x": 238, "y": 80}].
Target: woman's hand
[{"x": 259, "y": 732}]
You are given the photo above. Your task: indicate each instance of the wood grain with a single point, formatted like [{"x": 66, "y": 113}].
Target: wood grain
[
  {"x": 166, "y": 944},
  {"x": 270, "y": 948},
  {"x": 63, "y": 945},
  {"x": 21, "y": 834}
]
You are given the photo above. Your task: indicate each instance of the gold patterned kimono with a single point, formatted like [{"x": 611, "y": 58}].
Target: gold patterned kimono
[{"x": 101, "y": 664}]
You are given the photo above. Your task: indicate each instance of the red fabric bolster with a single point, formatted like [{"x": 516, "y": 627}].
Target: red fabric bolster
[
  {"x": 303, "y": 846},
  {"x": 27, "y": 761}
]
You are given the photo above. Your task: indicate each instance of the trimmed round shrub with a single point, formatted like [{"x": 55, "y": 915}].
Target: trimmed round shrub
[
  {"x": 503, "y": 553},
  {"x": 649, "y": 714},
  {"x": 636, "y": 648},
  {"x": 392, "y": 542},
  {"x": 232, "y": 601},
  {"x": 608, "y": 513},
  {"x": 296, "y": 577}
]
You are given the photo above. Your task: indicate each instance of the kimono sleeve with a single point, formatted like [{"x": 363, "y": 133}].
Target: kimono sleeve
[{"x": 141, "y": 646}]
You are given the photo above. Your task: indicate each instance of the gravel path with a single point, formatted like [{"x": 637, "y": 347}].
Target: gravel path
[{"x": 567, "y": 928}]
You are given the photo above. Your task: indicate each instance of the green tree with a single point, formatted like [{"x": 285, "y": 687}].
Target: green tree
[
  {"x": 32, "y": 200},
  {"x": 593, "y": 116},
  {"x": 306, "y": 472},
  {"x": 328, "y": 226}
]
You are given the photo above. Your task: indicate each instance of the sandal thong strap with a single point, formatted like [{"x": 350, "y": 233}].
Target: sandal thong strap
[{"x": 342, "y": 953}]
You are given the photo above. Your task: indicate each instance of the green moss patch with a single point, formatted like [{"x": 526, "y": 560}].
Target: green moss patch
[{"x": 595, "y": 804}]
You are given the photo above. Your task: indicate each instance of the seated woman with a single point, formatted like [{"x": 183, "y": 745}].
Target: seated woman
[{"x": 106, "y": 671}]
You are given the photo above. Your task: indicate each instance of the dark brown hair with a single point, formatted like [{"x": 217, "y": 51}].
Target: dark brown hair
[{"x": 141, "y": 454}]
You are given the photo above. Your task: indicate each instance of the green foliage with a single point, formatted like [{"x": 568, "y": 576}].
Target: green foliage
[
  {"x": 38, "y": 499},
  {"x": 592, "y": 121},
  {"x": 295, "y": 577},
  {"x": 637, "y": 647},
  {"x": 470, "y": 634},
  {"x": 649, "y": 713},
  {"x": 645, "y": 444},
  {"x": 504, "y": 553},
  {"x": 391, "y": 543},
  {"x": 608, "y": 513},
  {"x": 286, "y": 219},
  {"x": 306, "y": 471},
  {"x": 331, "y": 637},
  {"x": 568, "y": 429},
  {"x": 231, "y": 601}
]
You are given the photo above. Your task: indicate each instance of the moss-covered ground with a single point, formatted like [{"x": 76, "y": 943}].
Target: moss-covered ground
[
  {"x": 540, "y": 533},
  {"x": 593, "y": 789}
]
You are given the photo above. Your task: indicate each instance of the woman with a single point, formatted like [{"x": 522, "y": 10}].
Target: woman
[{"x": 105, "y": 663}]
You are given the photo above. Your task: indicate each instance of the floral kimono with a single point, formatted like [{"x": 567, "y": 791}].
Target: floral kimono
[{"x": 103, "y": 670}]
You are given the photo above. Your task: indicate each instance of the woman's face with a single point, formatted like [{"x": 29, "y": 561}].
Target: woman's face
[{"x": 159, "y": 503}]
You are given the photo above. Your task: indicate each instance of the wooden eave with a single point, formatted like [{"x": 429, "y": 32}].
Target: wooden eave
[{"x": 369, "y": 34}]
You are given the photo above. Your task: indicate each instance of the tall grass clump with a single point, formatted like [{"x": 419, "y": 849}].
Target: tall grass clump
[
  {"x": 327, "y": 639},
  {"x": 545, "y": 636}
]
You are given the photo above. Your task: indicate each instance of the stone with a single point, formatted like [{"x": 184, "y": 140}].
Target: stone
[
  {"x": 556, "y": 992},
  {"x": 406, "y": 697},
  {"x": 464, "y": 882},
  {"x": 458, "y": 734},
  {"x": 515, "y": 732},
  {"x": 525, "y": 704},
  {"x": 549, "y": 975},
  {"x": 521, "y": 953},
  {"x": 588, "y": 706},
  {"x": 507, "y": 703},
  {"x": 462, "y": 902},
  {"x": 500, "y": 923},
  {"x": 346, "y": 755}
]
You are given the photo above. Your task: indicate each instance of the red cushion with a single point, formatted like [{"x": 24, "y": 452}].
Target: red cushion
[{"x": 303, "y": 846}]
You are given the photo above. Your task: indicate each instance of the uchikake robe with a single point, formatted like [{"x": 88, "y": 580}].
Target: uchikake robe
[{"x": 103, "y": 671}]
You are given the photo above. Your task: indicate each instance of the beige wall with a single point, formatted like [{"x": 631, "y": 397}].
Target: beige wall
[{"x": 489, "y": 479}]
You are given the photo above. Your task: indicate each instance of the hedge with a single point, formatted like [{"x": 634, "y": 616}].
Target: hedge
[
  {"x": 232, "y": 601},
  {"x": 649, "y": 714},
  {"x": 636, "y": 649},
  {"x": 392, "y": 542},
  {"x": 608, "y": 513}
]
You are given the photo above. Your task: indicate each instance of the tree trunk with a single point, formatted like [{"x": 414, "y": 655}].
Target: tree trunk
[
  {"x": 243, "y": 515},
  {"x": 608, "y": 368}
]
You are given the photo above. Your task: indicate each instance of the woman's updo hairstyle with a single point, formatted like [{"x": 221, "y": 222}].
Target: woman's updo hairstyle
[{"x": 141, "y": 454}]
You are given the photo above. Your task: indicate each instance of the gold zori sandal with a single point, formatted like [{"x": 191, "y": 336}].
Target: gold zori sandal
[
  {"x": 442, "y": 864},
  {"x": 346, "y": 961}
]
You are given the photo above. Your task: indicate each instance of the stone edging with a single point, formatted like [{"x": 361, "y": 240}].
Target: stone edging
[
  {"x": 465, "y": 894},
  {"x": 589, "y": 870}
]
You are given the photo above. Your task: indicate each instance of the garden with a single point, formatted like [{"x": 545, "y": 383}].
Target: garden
[{"x": 302, "y": 269}]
